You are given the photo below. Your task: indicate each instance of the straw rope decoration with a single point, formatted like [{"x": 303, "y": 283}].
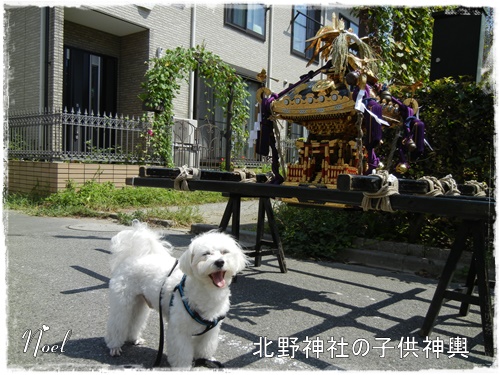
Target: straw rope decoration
[{"x": 333, "y": 42}]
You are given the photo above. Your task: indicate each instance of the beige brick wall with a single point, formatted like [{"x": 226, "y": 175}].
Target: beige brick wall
[
  {"x": 46, "y": 177},
  {"x": 168, "y": 27},
  {"x": 85, "y": 38},
  {"x": 133, "y": 55},
  {"x": 56, "y": 57}
]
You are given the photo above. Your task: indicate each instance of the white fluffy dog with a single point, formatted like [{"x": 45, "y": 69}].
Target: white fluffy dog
[{"x": 140, "y": 266}]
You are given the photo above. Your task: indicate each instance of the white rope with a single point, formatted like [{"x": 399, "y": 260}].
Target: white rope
[
  {"x": 480, "y": 187},
  {"x": 277, "y": 125},
  {"x": 381, "y": 198},
  {"x": 185, "y": 174},
  {"x": 354, "y": 37},
  {"x": 450, "y": 183},
  {"x": 246, "y": 175},
  {"x": 444, "y": 186},
  {"x": 435, "y": 186},
  {"x": 243, "y": 174}
]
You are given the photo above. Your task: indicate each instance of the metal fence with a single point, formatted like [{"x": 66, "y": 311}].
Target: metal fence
[
  {"x": 73, "y": 136},
  {"x": 70, "y": 135}
]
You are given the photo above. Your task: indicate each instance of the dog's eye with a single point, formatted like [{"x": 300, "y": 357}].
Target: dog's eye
[
  {"x": 224, "y": 252},
  {"x": 206, "y": 253}
]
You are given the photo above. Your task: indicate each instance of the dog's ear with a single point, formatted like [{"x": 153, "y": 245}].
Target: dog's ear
[
  {"x": 185, "y": 261},
  {"x": 243, "y": 260}
]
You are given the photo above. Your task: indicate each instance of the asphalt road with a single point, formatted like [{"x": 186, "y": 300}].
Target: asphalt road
[{"x": 318, "y": 316}]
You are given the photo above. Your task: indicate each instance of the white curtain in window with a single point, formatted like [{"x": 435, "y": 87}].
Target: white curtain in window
[{"x": 255, "y": 18}]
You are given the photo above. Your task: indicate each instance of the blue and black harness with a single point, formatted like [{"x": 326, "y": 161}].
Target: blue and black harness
[{"x": 209, "y": 324}]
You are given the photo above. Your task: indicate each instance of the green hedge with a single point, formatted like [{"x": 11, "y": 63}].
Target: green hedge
[
  {"x": 459, "y": 122},
  {"x": 315, "y": 233}
]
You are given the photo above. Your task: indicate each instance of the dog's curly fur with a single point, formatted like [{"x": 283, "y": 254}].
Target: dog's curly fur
[{"x": 140, "y": 264}]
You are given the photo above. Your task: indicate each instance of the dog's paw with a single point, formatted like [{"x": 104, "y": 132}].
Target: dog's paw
[
  {"x": 139, "y": 341},
  {"x": 203, "y": 362},
  {"x": 115, "y": 352}
]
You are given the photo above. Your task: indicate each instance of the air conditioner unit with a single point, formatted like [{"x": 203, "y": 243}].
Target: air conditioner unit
[
  {"x": 184, "y": 142},
  {"x": 184, "y": 130}
]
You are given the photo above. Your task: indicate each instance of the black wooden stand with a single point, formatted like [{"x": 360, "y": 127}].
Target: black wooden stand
[
  {"x": 233, "y": 209},
  {"x": 478, "y": 274},
  {"x": 475, "y": 213}
]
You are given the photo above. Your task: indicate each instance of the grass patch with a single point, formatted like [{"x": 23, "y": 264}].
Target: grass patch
[{"x": 94, "y": 199}]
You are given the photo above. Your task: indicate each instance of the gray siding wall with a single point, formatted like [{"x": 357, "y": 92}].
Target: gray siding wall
[
  {"x": 167, "y": 27},
  {"x": 85, "y": 38},
  {"x": 23, "y": 54}
]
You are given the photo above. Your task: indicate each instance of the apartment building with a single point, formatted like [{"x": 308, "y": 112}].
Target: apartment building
[{"x": 93, "y": 59}]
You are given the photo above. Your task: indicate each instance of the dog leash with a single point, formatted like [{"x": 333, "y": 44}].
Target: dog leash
[{"x": 160, "y": 345}]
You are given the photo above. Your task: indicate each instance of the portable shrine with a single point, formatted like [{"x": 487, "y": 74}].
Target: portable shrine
[{"x": 344, "y": 112}]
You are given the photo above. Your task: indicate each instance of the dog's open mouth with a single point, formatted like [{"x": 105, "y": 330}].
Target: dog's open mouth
[{"x": 218, "y": 279}]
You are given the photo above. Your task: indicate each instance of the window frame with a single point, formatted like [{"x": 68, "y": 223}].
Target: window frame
[
  {"x": 314, "y": 18},
  {"x": 348, "y": 23},
  {"x": 229, "y": 20}
]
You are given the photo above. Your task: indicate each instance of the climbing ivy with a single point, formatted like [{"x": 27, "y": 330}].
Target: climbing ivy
[
  {"x": 163, "y": 83},
  {"x": 402, "y": 38}
]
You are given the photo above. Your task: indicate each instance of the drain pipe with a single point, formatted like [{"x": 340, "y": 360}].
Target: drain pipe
[
  {"x": 44, "y": 58},
  {"x": 192, "y": 44},
  {"x": 270, "y": 48}
]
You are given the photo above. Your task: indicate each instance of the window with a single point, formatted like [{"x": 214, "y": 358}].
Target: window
[
  {"x": 293, "y": 132},
  {"x": 207, "y": 111},
  {"x": 249, "y": 18},
  {"x": 90, "y": 82},
  {"x": 89, "y": 86},
  {"x": 348, "y": 24},
  {"x": 252, "y": 87},
  {"x": 306, "y": 23},
  {"x": 211, "y": 124}
]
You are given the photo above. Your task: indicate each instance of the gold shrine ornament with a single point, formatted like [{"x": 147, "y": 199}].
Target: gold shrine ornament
[
  {"x": 262, "y": 91},
  {"x": 323, "y": 85},
  {"x": 410, "y": 102}
]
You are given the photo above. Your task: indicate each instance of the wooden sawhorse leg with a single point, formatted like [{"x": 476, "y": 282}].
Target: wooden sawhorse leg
[
  {"x": 265, "y": 208},
  {"x": 233, "y": 208},
  {"x": 479, "y": 269}
]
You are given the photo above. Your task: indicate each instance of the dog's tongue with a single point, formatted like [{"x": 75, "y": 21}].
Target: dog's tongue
[{"x": 218, "y": 279}]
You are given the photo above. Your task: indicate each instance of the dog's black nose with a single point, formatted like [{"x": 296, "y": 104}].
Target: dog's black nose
[{"x": 219, "y": 263}]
